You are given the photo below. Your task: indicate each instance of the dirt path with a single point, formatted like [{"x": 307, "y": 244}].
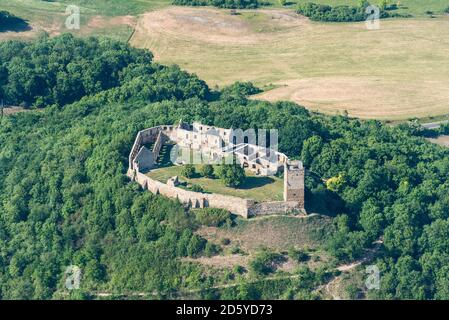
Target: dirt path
[
  {"x": 434, "y": 125},
  {"x": 186, "y": 292},
  {"x": 335, "y": 282},
  {"x": 13, "y": 110},
  {"x": 332, "y": 286},
  {"x": 441, "y": 140}
]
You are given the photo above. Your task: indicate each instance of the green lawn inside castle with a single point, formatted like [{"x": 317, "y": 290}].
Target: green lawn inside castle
[{"x": 259, "y": 188}]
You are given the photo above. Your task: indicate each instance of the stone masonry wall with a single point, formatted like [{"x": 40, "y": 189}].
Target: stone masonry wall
[
  {"x": 194, "y": 199},
  {"x": 275, "y": 207},
  {"x": 240, "y": 206},
  {"x": 236, "y": 205},
  {"x": 158, "y": 145},
  {"x": 143, "y": 136}
]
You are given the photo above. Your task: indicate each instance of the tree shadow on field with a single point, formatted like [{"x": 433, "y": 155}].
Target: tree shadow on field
[
  {"x": 256, "y": 182},
  {"x": 9, "y": 22}
]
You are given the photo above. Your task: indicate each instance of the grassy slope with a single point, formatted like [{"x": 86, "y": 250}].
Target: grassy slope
[
  {"x": 37, "y": 9},
  {"x": 276, "y": 232},
  {"x": 257, "y": 188},
  {"x": 46, "y": 13},
  {"x": 281, "y": 232},
  {"x": 50, "y": 16}
]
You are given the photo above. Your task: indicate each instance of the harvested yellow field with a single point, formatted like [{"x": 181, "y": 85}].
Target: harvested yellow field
[{"x": 396, "y": 72}]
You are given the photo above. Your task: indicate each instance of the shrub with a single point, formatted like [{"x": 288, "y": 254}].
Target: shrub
[
  {"x": 298, "y": 255},
  {"x": 195, "y": 246},
  {"x": 238, "y": 89},
  {"x": 193, "y": 3},
  {"x": 225, "y": 241},
  {"x": 211, "y": 249},
  {"x": 232, "y": 175},
  {"x": 393, "y": 6},
  {"x": 265, "y": 262},
  {"x": 212, "y": 217},
  {"x": 444, "y": 128},
  {"x": 238, "y": 269},
  {"x": 235, "y": 4},
  {"x": 188, "y": 171},
  {"x": 196, "y": 188},
  {"x": 207, "y": 171},
  {"x": 237, "y": 250},
  {"x": 353, "y": 292}
]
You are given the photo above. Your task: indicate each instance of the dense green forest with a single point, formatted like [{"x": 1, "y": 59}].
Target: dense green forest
[
  {"x": 65, "y": 199},
  {"x": 61, "y": 71}
]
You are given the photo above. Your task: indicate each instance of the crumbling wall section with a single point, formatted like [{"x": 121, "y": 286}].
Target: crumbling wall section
[
  {"x": 193, "y": 199},
  {"x": 276, "y": 207}
]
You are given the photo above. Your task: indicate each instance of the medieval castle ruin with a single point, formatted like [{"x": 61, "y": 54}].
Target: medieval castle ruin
[{"x": 215, "y": 145}]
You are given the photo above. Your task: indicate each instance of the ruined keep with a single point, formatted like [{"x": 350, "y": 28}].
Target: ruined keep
[
  {"x": 215, "y": 144},
  {"x": 294, "y": 181}
]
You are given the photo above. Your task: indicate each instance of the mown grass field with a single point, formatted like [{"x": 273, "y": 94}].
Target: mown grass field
[
  {"x": 393, "y": 73},
  {"x": 255, "y": 187},
  {"x": 39, "y": 9},
  {"x": 111, "y": 18}
]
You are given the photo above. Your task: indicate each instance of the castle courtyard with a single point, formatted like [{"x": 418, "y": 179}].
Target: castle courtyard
[{"x": 259, "y": 188}]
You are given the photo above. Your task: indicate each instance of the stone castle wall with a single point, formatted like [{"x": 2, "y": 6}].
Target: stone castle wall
[
  {"x": 275, "y": 207},
  {"x": 143, "y": 137},
  {"x": 243, "y": 207},
  {"x": 158, "y": 145},
  {"x": 193, "y": 199}
]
